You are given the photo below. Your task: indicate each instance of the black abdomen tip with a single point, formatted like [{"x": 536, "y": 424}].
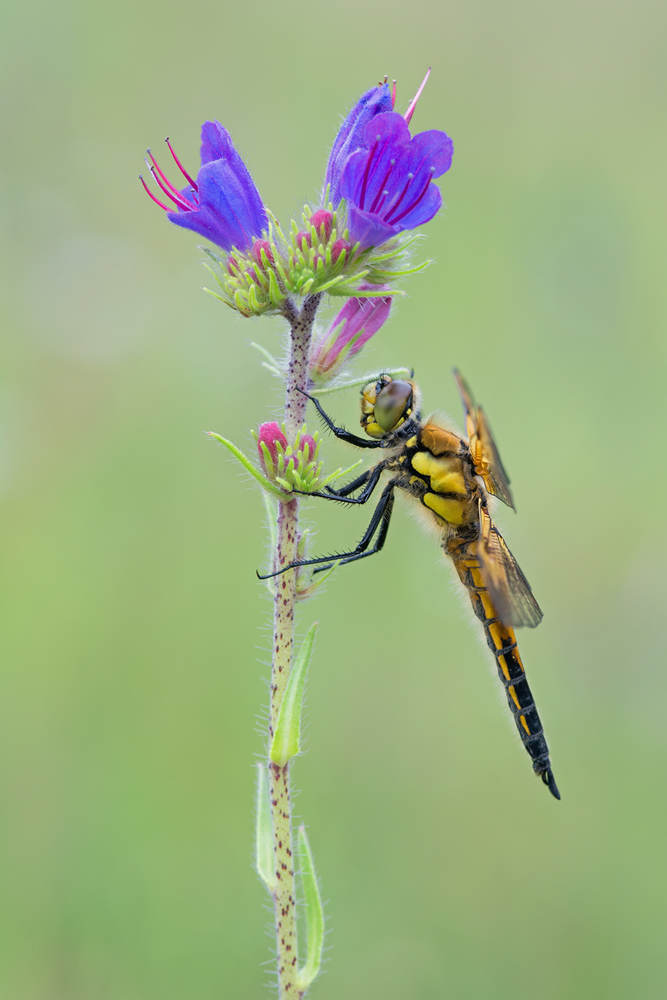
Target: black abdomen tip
[{"x": 549, "y": 781}]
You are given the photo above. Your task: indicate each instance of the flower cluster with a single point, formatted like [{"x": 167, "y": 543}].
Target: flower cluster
[
  {"x": 292, "y": 467},
  {"x": 378, "y": 187}
]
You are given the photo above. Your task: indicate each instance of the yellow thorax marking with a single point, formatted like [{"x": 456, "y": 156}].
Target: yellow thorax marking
[
  {"x": 449, "y": 510},
  {"x": 445, "y": 473}
]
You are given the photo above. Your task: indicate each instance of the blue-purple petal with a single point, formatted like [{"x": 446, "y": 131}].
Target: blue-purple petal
[
  {"x": 387, "y": 184},
  {"x": 368, "y": 230},
  {"x": 230, "y": 212},
  {"x": 216, "y": 142},
  {"x": 351, "y": 135}
]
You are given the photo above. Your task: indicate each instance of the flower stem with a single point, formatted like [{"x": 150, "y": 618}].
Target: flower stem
[{"x": 284, "y": 896}]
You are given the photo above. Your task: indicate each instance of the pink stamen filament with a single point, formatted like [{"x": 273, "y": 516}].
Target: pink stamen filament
[
  {"x": 413, "y": 103},
  {"x": 376, "y": 211},
  {"x": 396, "y": 203},
  {"x": 181, "y": 167},
  {"x": 172, "y": 187},
  {"x": 393, "y": 222},
  {"x": 381, "y": 192},
  {"x": 150, "y": 193},
  {"x": 364, "y": 183},
  {"x": 393, "y": 96},
  {"x": 370, "y": 168},
  {"x": 177, "y": 198}
]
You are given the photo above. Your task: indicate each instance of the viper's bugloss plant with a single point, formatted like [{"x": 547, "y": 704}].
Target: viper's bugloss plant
[{"x": 356, "y": 243}]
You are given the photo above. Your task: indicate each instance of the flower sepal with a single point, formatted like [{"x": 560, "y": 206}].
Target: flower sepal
[
  {"x": 294, "y": 467},
  {"x": 317, "y": 256}
]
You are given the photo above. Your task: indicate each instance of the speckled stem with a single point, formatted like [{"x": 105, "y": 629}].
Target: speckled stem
[{"x": 301, "y": 328}]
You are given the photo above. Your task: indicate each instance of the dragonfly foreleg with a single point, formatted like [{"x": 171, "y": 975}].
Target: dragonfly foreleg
[{"x": 340, "y": 432}]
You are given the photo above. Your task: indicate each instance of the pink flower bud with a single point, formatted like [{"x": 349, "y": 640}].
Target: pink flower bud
[
  {"x": 257, "y": 248},
  {"x": 322, "y": 221},
  {"x": 338, "y": 248},
  {"x": 271, "y": 435},
  {"x": 306, "y": 443},
  {"x": 300, "y": 237}
]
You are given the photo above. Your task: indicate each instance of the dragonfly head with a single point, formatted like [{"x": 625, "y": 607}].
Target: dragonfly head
[{"x": 386, "y": 404}]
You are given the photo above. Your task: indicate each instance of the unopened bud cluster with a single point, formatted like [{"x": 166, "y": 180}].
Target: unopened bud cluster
[
  {"x": 316, "y": 256},
  {"x": 291, "y": 467}
]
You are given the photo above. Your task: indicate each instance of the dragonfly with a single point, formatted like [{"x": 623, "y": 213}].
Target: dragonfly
[{"x": 450, "y": 478}]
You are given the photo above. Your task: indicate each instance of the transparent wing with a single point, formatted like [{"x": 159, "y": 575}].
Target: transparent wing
[
  {"x": 486, "y": 459},
  {"x": 508, "y": 587}
]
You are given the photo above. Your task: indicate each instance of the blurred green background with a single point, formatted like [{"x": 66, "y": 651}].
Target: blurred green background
[{"x": 134, "y": 631}]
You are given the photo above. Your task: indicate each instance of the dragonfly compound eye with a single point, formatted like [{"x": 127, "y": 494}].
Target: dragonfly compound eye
[{"x": 393, "y": 405}]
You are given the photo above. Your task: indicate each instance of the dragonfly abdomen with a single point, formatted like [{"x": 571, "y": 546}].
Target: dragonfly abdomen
[{"x": 501, "y": 640}]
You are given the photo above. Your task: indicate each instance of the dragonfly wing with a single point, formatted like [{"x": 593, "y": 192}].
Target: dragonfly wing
[
  {"x": 496, "y": 481},
  {"x": 469, "y": 408},
  {"x": 508, "y": 587},
  {"x": 483, "y": 449}
]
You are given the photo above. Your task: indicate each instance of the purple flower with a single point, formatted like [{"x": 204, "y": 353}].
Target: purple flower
[
  {"x": 355, "y": 324},
  {"x": 223, "y": 204},
  {"x": 351, "y": 135},
  {"x": 387, "y": 185}
]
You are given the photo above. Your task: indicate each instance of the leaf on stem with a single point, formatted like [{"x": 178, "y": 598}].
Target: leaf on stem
[
  {"x": 247, "y": 464},
  {"x": 286, "y": 741},
  {"x": 263, "y": 831},
  {"x": 314, "y": 913},
  {"x": 355, "y": 382}
]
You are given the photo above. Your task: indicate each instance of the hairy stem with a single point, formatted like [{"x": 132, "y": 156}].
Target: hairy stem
[{"x": 284, "y": 896}]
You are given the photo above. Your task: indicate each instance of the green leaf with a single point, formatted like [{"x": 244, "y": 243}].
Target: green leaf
[
  {"x": 271, "y": 363},
  {"x": 314, "y": 913},
  {"x": 247, "y": 464},
  {"x": 263, "y": 831},
  {"x": 362, "y": 380},
  {"x": 286, "y": 741}
]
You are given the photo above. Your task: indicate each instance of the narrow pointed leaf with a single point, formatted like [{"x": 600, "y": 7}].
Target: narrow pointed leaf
[
  {"x": 247, "y": 464},
  {"x": 263, "y": 831},
  {"x": 314, "y": 913},
  {"x": 286, "y": 741},
  {"x": 354, "y": 383}
]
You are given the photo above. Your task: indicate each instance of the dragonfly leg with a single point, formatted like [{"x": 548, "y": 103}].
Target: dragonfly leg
[
  {"x": 368, "y": 480},
  {"x": 380, "y": 519},
  {"x": 340, "y": 432}
]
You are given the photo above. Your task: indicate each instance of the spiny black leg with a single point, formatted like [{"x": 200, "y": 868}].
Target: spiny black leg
[
  {"x": 370, "y": 478},
  {"x": 382, "y": 535},
  {"x": 344, "y": 491},
  {"x": 340, "y": 432},
  {"x": 382, "y": 513}
]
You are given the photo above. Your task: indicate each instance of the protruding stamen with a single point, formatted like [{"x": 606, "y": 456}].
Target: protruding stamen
[
  {"x": 180, "y": 166},
  {"x": 177, "y": 198},
  {"x": 393, "y": 96},
  {"x": 150, "y": 193},
  {"x": 172, "y": 187},
  {"x": 413, "y": 103}
]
